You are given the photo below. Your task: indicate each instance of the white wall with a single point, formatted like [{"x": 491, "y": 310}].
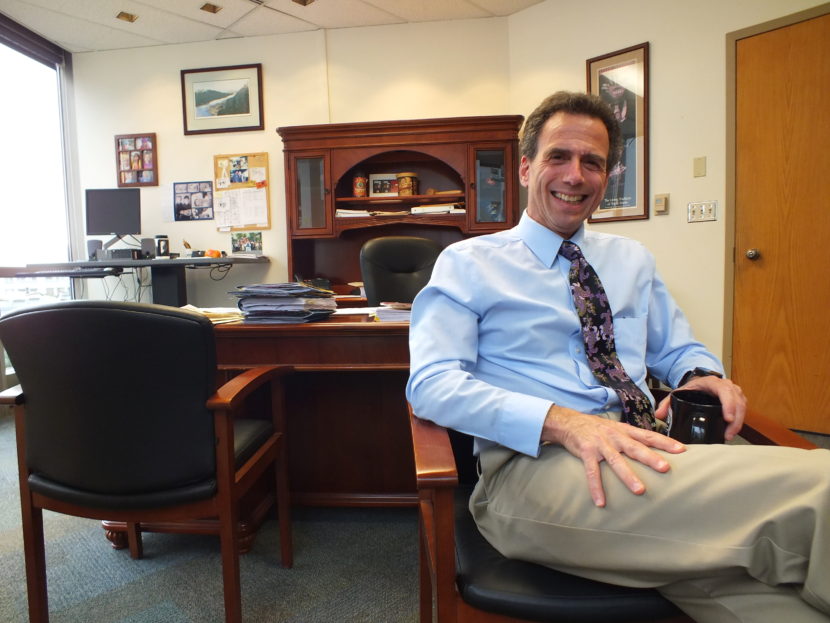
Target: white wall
[
  {"x": 458, "y": 68},
  {"x": 549, "y": 44},
  {"x": 375, "y": 73}
]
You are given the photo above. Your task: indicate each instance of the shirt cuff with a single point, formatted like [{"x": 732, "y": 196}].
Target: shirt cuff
[{"x": 521, "y": 428}]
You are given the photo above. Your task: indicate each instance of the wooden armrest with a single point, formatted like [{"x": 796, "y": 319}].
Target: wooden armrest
[
  {"x": 12, "y": 396},
  {"x": 434, "y": 460},
  {"x": 436, "y": 478},
  {"x": 761, "y": 430},
  {"x": 233, "y": 393}
]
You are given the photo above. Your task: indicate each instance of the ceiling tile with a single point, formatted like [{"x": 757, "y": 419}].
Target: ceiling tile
[
  {"x": 340, "y": 14},
  {"x": 87, "y": 25},
  {"x": 503, "y": 8},
  {"x": 430, "y": 10}
]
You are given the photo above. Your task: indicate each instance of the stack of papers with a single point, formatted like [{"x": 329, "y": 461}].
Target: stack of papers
[
  {"x": 284, "y": 302},
  {"x": 217, "y": 315},
  {"x": 394, "y": 312},
  {"x": 438, "y": 208},
  {"x": 345, "y": 212}
]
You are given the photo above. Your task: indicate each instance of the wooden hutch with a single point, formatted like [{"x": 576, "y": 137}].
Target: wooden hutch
[{"x": 468, "y": 161}]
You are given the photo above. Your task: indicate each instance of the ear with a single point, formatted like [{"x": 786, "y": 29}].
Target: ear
[{"x": 524, "y": 171}]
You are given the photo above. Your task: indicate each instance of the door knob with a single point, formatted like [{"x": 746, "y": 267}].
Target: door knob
[{"x": 753, "y": 254}]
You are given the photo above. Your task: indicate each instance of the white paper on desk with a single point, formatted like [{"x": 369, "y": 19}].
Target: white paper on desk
[{"x": 351, "y": 311}]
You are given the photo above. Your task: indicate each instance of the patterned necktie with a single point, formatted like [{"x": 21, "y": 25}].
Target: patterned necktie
[{"x": 594, "y": 312}]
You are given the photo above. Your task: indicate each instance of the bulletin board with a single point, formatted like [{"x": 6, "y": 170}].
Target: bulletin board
[{"x": 241, "y": 192}]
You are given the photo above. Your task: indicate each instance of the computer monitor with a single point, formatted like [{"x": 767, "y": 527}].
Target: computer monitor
[{"x": 113, "y": 212}]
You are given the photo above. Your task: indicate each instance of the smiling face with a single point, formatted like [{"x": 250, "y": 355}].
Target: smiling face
[{"x": 566, "y": 179}]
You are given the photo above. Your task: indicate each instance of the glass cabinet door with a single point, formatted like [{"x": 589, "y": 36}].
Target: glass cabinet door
[
  {"x": 311, "y": 193},
  {"x": 490, "y": 187}
]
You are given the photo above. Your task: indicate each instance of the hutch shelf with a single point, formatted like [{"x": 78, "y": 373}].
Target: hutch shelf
[{"x": 468, "y": 162}]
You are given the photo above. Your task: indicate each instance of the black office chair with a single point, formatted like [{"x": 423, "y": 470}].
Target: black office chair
[
  {"x": 118, "y": 418},
  {"x": 464, "y": 579},
  {"x": 395, "y": 268}
]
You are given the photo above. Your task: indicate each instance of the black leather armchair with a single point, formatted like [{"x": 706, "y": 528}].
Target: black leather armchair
[
  {"x": 117, "y": 417},
  {"x": 464, "y": 579},
  {"x": 395, "y": 268}
]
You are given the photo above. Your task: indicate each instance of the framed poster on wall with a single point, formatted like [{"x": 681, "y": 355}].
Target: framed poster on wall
[{"x": 621, "y": 79}]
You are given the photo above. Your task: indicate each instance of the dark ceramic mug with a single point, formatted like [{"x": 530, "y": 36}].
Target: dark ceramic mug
[{"x": 696, "y": 417}]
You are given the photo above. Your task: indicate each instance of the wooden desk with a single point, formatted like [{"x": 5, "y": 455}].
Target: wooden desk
[{"x": 348, "y": 436}]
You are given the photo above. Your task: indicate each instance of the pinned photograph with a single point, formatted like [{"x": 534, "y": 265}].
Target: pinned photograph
[
  {"x": 193, "y": 201},
  {"x": 246, "y": 242}
]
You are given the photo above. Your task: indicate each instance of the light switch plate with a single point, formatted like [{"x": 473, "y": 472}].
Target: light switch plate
[
  {"x": 700, "y": 211},
  {"x": 699, "y": 166},
  {"x": 661, "y": 204}
]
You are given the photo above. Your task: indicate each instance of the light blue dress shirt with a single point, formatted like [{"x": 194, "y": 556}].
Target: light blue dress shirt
[{"x": 495, "y": 339}]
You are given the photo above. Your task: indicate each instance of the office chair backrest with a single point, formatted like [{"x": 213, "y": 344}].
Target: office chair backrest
[
  {"x": 115, "y": 400},
  {"x": 395, "y": 268}
]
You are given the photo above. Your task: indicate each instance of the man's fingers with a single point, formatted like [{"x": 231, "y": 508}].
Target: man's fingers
[
  {"x": 656, "y": 440},
  {"x": 592, "y": 472},
  {"x": 618, "y": 463}
]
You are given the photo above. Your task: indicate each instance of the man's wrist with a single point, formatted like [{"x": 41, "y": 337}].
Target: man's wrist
[{"x": 696, "y": 373}]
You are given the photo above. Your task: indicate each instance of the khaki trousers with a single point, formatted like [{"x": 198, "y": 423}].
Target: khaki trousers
[{"x": 731, "y": 533}]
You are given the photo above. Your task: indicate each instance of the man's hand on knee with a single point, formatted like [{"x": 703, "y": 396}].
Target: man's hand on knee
[{"x": 595, "y": 439}]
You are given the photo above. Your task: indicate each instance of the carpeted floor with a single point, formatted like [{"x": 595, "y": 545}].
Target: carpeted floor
[{"x": 351, "y": 565}]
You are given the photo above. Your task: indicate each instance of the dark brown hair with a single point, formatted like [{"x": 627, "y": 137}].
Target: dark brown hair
[{"x": 574, "y": 104}]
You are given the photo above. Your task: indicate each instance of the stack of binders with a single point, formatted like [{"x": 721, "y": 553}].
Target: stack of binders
[{"x": 283, "y": 303}]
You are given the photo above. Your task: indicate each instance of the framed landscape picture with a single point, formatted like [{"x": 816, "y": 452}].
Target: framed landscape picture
[
  {"x": 222, "y": 99},
  {"x": 621, "y": 79}
]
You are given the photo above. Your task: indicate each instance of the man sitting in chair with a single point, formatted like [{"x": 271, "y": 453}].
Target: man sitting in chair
[{"x": 537, "y": 341}]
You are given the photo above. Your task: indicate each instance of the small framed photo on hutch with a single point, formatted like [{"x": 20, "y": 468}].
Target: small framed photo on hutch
[
  {"x": 222, "y": 99},
  {"x": 621, "y": 79},
  {"x": 136, "y": 159},
  {"x": 383, "y": 185}
]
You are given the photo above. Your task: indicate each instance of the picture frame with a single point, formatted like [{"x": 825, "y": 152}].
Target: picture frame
[
  {"x": 246, "y": 242},
  {"x": 193, "y": 201},
  {"x": 622, "y": 79},
  {"x": 222, "y": 99},
  {"x": 136, "y": 160},
  {"x": 383, "y": 185}
]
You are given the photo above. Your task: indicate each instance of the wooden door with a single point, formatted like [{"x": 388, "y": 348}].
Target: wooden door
[{"x": 781, "y": 322}]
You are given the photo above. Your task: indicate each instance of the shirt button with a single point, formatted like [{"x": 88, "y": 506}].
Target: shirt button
[{"x": 578, "y": 350}]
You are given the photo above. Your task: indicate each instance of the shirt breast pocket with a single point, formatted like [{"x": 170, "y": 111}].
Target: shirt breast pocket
[{"x": 630, "y": 337}]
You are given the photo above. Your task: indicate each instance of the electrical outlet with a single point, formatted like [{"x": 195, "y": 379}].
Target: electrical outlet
[{"x": 700, "y": 211}]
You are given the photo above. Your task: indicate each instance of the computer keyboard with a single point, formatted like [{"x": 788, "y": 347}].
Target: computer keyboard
[{"x": 80, "y": 273}]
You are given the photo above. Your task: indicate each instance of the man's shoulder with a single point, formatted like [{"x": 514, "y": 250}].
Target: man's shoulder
[
  {"x": 485, "y": 242},
  {"x": 613, "y": 241}
]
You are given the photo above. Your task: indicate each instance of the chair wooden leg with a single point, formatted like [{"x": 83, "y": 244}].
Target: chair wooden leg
[
  {"x": 227, "y": 506},
  {"x": 425, "y": 579},
  {"x": 230, "y": 566},
  {"x": 284, "y": 508},
  {"x": 34, "y": 553},
  {"x": 134, "y": 540}
]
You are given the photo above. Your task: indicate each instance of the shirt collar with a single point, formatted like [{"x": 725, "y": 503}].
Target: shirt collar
[{"x": 543, "y": 242}]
